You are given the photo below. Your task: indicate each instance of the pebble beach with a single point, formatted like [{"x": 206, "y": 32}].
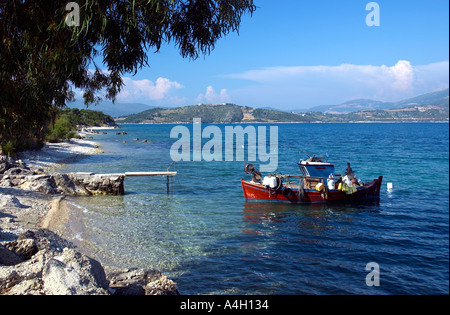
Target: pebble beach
[{"x": 34, "y": 259}]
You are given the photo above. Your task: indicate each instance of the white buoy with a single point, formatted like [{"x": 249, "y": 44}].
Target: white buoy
[{"x": 390, "y": 186}]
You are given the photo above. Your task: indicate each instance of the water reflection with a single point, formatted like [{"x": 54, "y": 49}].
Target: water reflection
[{"x": 264, "y": 219}]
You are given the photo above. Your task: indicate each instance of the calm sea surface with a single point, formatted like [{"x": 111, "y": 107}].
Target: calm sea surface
[{"x": 210, "y": 241}]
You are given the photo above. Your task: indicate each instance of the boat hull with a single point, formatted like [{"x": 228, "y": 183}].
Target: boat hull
[{"x": 259, "y": 193}]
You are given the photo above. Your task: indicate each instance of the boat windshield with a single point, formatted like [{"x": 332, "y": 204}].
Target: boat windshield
[{"x": 316, "y": 169}]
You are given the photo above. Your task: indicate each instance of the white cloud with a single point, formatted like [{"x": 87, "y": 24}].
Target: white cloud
[
  {"x": 402, "y": 75},
  {"x": 306, "y": 86},
  {"x": 211, "y": 96},
  {"x": 434, "y": 76},
  {"x": 145, "y": 90}
]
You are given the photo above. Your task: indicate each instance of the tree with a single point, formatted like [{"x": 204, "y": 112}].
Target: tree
[{"x": 44, "y": 56}]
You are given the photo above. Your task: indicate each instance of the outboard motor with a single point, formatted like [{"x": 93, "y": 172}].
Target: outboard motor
[{"x": 250, "y": 169}]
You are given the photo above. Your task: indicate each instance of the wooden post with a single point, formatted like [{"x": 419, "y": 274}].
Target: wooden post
[{"x": 168, "y": 189}]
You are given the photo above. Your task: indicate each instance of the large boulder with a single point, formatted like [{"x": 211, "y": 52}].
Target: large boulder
[
  {"x": 73, "y": 273},
  {"x": 83, "y": 184},
  {"x": 39, "y": 264},
  {"x": 43, "y": 263},
  {"x": 43, "y": 183}
]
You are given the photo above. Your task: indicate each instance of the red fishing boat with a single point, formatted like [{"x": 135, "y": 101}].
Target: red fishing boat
[{"x": 318, "y": 183}]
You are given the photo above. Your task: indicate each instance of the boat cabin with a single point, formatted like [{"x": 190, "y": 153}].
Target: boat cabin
[{"x": 316, "y": 169}]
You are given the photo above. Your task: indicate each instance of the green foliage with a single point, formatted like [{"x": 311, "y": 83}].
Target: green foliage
[
  {"x": 68, "y": 120},
  {"x": 8, "y": 148},
  {"x": 61, "y": 129},
  {"x": 43, "y": 59},
  {"x": 85, "y": 117}
]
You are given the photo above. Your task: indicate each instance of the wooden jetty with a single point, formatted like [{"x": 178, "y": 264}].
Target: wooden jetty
[
  {"x": 144, "y": 174},
  {"x": 121, "y": 176}
]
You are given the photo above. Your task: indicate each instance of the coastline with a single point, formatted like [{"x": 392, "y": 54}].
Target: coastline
[
  {"x": 53, "y": 155},
  {"x": 32, "y": 239},
  {"x": 22, "y": 209}
]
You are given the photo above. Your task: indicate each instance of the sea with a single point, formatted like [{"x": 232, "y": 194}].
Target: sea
[{"x": 209, "y": 240}]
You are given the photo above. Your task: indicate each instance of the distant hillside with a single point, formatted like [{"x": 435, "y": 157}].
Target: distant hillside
[
  {"x": 221, "y": 113},
  {"x": 435, "y": 98},
  {"x": 424, "y": 108},
  {"x": 208, "y": 114},
  {"x": 89, "y": 118},
  {"x": 352, "y": 106},
  {"x": 418, "y": 113}
]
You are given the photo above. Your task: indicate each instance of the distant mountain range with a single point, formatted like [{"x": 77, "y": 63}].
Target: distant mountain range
[
  {"x": 427, "y": 107},
  {"x": 424, "y": 108},
  {"x": 434, "y": 98}
]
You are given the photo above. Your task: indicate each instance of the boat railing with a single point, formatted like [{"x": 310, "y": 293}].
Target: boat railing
[
  {"x": 302, "y": 180},
  {"x": 307, "y": 177}
]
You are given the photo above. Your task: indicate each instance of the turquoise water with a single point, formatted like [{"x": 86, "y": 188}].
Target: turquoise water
[{"x": 210, "y": 241}]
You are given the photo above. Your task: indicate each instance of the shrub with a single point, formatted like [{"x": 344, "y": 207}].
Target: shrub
[{"x": 61, "y": 129}]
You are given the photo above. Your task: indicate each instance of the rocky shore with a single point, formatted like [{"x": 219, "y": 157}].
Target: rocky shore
[{"x": 34, "y": 260}]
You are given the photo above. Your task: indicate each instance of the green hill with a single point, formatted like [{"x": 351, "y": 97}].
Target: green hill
[
  {"x": 424, "y": 108},
  {"x": 212, "y": 114},
  {"x": 86, "y": 117}
]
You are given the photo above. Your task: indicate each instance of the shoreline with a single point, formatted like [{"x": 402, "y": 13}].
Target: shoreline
[
  {"x": 53, "y": 155},
  {"x": 22, "y": 209},
  {"x": 33, "y": 223}
]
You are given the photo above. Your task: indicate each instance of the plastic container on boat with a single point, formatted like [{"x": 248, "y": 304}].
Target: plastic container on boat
[
  {"x": 320, "y": 186},
  {"x": 270, "y": 181},
  {"x": 273, "y": 182},
  {"x": 331, "y": 183}
]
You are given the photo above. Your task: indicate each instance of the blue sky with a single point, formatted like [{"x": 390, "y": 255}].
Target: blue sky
[{"x": 295, "y": 54}]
